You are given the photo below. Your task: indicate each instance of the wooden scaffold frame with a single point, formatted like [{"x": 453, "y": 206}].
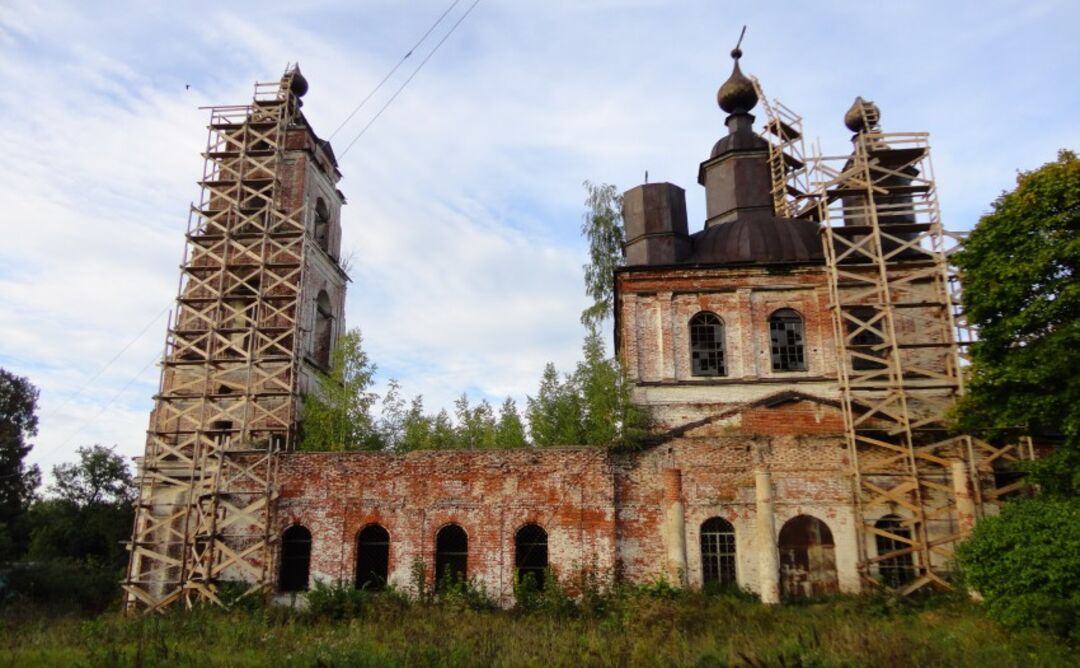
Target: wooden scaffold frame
[{"x": 228, "y": 389}]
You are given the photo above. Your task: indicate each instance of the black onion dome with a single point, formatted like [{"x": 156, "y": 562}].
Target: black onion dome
[
  {"x": 737, "y": 95},
  {"x": 860, "y": 112},
  {"x": 299, "y": 86},
  {"x": 758, "y": 240}
]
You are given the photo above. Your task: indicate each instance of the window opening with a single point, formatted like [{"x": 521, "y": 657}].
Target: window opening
[
  {"x": 707, "y": 345},
  {"x": 718, "y": 553},
  {"x": 372, "y": 558},
  {"x": 451, "y": 555},
  {"x": 898, "y": 570},
  {"x": 322, "y": 225},
  {"x": 531, "y": 554},
  {"x": 786, "y": 335},
  {"x": 295, "y": 559},
  {"x": 324, "y": 329},
  {"x": 866, "y": 341}
]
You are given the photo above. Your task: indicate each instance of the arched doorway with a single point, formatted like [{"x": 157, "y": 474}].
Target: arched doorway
[
  {"x": 807, "y": 558},
  {"x": 372, "y": 558}
]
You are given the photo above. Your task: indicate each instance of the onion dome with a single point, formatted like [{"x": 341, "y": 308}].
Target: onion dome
[
  {"x": 737, "y": 95},
  {"x": 299, "y": 86},
  {"x": 863, "y": 115}
]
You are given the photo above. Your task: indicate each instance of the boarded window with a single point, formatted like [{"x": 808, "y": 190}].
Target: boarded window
[
  {"x": 324, "y": 329},
  {"x": 807, "y": 558},
  {"x": 707, "y": 345},
  {"x": 717, "y": 553},
  {"x": 322, "y": 225},
  {"x": 786, "y": 336},
  {"x": 451, "y": 555},
  {"x": 897, "y": 567},
  {"x": 372, "y": 558},
  {"x": 531, "y": 554},
  {"x": 295, "y": 559}
]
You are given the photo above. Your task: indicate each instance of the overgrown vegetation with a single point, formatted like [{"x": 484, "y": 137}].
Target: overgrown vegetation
[{"x": 629, "y": 627}]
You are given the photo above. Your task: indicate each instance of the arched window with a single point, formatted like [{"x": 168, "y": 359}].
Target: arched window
[
  {"x": 372, "y": 558},
  {"x": 324, "y": 329},
  {"x": 295, "y": 559},
  {"x": 807, "y": 558},
  {"x": 863, "y": 339},
  {"x": 322, "y": 225},
  {"x": 707, "y": 345},
  {"x": 451, "y": 554},
  {"x": 786, "y": 334},
  {"x": 717, "y": 553},
  {"x": 897, "y": 570},
  {"x": 531, "y": 554}
]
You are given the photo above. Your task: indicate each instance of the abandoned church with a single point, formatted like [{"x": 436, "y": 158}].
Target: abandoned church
[{"x": 797, "y": 353}]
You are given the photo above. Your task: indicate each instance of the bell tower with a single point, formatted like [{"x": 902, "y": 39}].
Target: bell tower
[{"x": 259, "y": 306}]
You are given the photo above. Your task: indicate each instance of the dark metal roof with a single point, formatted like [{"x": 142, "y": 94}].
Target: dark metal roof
[{"x": 757, "y": 240}]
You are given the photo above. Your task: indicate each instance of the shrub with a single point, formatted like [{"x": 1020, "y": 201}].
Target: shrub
[
  {"x": 1026, "y": 564},
  {"x": 336, "y": 601}
]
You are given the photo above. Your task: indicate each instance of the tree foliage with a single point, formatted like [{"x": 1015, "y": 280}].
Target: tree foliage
[
  {"x": 1019, "y": 270},
  {"x": 338, "y": 416},
  {"x": 1026, "y": 564},
  {"x": 602, "y": 225},
  {"x": 18, "y": 423}
]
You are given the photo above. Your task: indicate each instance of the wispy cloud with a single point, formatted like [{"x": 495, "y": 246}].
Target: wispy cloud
[{"x": 465, "y": 197}]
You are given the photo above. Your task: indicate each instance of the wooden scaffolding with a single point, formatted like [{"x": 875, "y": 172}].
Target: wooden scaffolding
[
  {"x": 228, "y": 390},
  {"x": 901, "y": 340}
]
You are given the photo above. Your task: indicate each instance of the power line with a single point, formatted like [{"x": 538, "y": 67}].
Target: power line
[
  {"x": 406, "y": 82},
  {"x": 394, "y": 69}
]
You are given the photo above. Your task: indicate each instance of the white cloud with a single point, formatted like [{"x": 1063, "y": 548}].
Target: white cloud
[{"x": 465, "y": 197}]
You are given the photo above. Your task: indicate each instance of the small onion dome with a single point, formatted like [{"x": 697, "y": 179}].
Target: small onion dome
[
  {"x": 299, "y": 85},
  {"x": 737, "y": 95},
  {"x": 861, "y": 113}
]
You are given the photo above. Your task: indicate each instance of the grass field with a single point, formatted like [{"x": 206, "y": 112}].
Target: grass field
[{"x": 630, "y": 628}]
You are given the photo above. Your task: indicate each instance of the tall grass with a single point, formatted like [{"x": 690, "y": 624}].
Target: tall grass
[{"x": 628, "y": 627}]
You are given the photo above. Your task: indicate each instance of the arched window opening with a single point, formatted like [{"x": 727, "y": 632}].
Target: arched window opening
[
  {"x": 718, "y": 553},
  {"x": 295, "y": 559},
  {"x": 899, "y": 569},
  {"x": 531, "y": 554},
  {"x": 372, "y": 558},
  {"x": 807, "y": 558},
  {"x": 863, "y": 338},
  {"x": 786, "y": 334},
  {"x": 324, "y": 329},
  {"x": 322, "y": 225},
  {"x": 707, "y": 345},
  {"x": 451, "y": 555}
]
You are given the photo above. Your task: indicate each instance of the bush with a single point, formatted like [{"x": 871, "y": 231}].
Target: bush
[
  {"x": 336, "y": 601},
  {"x": 63, "y": 585},
  {"x": 1026, "y": 564}
]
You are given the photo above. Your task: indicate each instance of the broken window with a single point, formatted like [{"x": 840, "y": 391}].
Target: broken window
[
  {"x": 531, "y": 554},
  {"x": 899, "y": 569},
  {"x": 707, "y": 345},
  {"x": 295, "y": 559},
  {"x": 324, "y": 329},
  {"x": 451, "y": 555},
  {"x": 322, "y": 225},
  {"x": 718, "y": 553},
  {"x": 863, "y": 338},
  {"x": 807, "y": 558},
  {"x": 372, "y": 558},
  {"x": 786, "y": 335}
]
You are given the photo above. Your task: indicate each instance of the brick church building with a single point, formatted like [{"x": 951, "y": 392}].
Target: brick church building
[{"x": 726, "y": 332}]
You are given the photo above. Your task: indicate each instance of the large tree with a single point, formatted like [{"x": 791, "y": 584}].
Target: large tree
[
  {"x": 18, "y": 423},
  {"x": 1019, "y": 272},
  {"x": 602, "y": 225}
]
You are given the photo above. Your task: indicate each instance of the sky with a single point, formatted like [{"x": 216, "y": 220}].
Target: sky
[{"x": 465, "y": 196}]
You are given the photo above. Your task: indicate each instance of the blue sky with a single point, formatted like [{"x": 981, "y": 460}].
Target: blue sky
[{"x": 465, "y": 197}]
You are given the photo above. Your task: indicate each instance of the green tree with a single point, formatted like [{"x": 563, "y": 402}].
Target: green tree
[
  {"x": 602, "y": 225},
  {"x": 554, "y": 414},
  {"x": 475, "y": 425},
  {"x": 416, "y": 427},
  {"x": 1018, "y": 268},
  {"x": 510, "y": 430},
  {"x": 443, "y": 436},
  {"x": 1026, "y": 564},
  {"x": 18, "y": 423},
  {"x": 337, "y": 416},
  {"x": 392, "y": 418}
]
